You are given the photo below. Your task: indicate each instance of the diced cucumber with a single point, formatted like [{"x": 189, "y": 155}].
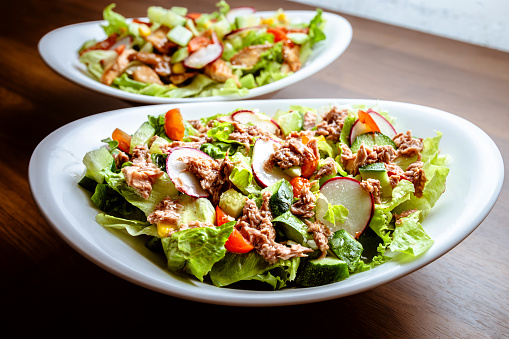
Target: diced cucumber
[
  {"x": 293, "y": 121},
  {"x": 322, "y": 271},
  {"x": 155, "y": 147},
  {"x": 248, "y": 81},
  {"x": 232, "y": 202},
  {"x": 298, "y": 38},
  {"x": 305, "y": 51},
  {"x": 247, "y": 21},
  {"x": 200, "y": 209},
  {"x": 141, "y": 136},
  {"x": 377, "y": 171},
  {"x": 179, "y": 55},
  {"x": 293, "y": 228},
  {"x": 346, "y": 248},
  {"x": 282, "y": 199},
  {"x": 165, "y": 17},
  {"x": 372, "y": 139},
  {"x": 179, "y": 10},
  {"x": 180, "y": 35},
  {"x": 222, "y": 27},
  {"x": 294, "y": 171},
  {"x": 192, "y": 27}
]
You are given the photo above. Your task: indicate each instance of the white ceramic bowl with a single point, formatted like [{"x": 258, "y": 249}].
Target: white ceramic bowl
[
  {"x": 56, "y": 167},
  {"x": 59, "y": 49}
]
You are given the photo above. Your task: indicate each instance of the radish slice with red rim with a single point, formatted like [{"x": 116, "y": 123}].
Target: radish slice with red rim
[
  {"x": 205, "y": 55},
  {"x": 185, "y": 181},
  {"x": 261, "y": 153},
  {"x": 349, "y": 193},
  {"x": 239, "y": 11},
  {"x": 266, "y": 123}
]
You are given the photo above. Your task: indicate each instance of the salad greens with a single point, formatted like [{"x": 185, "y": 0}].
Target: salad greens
[
  {"x": 216, "y": 237},
  {"x": 177, "y": 54}
]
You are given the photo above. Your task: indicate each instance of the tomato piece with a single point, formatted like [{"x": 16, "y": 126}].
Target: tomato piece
[
  {"x": 123, "y": 139},
  {"x": 280, "y": 35},
  {"x": 138, "y": 21},
  {"x": 198, "y": 42},
  {"x": 367, "y": 120},
  {"x": 193, "y": 16},
  {"x": 298, "y": 183},
  {"x": 308, "y": 168},
  {"x": 236, "y": 243},
  {"x": 174, "y": 124},
  {"x": 221, "y": 217},
  {"x": 102, "y": 45},
  {"x": 119, "y": 49}
]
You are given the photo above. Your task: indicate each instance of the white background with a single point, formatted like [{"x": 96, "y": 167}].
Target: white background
[{"x": 480, "y": 22}]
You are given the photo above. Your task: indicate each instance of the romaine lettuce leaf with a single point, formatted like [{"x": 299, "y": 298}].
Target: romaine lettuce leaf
[
  {"x": 196, "y": 250},
  {"x": 409, "y": 236},
  {"x": 242, "y": 174},
  {"x": 116, "y": 22},
  {"x": 94, "y": 59},
  {"x": 133, "y": 227},
  {"x": 316, "y": 28}
]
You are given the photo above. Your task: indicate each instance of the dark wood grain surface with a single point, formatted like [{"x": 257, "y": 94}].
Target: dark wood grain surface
[{"x": 48, "y": 288}]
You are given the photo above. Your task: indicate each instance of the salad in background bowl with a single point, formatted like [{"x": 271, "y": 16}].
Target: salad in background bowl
[{"x": 177, "y": 56}]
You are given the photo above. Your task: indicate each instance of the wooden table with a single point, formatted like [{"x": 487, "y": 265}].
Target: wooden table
[{"x": 46, "y": 287}]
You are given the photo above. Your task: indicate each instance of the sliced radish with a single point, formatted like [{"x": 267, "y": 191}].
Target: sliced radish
[
  {"x": 382, "y": 123},
  {"x": 261, "y": 153},
  {"x": 205, "y": 55},
  {"x": 266, "y": 123},
  {"x": 185, "y": 181},
  {"x": 127, "y": 41},
  {"x": 239, "y": 11},
  {"x": 384, "y": 126},
  {"x": 236, "y": 32},
  {"x": 349, "y": 193}
]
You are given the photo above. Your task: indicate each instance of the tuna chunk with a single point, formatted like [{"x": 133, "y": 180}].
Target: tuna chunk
[
  {"x": 166, "y": 211},
  {"x": 143, "y": 173}
]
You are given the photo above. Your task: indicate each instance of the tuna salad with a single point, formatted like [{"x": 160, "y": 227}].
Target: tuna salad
[
  {"x": 177, "y": 54},
  {"x": 304, "y": 198}
]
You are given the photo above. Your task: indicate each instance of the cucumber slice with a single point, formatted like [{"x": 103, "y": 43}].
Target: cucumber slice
[
  {"x": 281, "y": 201},
  {"x": 371, "y": 139},
  {"x": 346, "y": 248},
  {"x": 377, "y": 171},
  {"x": 323, "y": 271},
  {"x": 180, "y": 35},
  {"x": 141, "y": 136},
  {"x": 232, "y": 202}
]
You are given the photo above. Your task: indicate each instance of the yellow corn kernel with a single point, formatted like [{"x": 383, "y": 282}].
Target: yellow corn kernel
[
  {"x": 268, "y": 21},
  {"x": 144, "y": 30},
  {"x": 282, "y": 17},
  {"x": 178, "y": 68},
  {"x": 164, "y": 229},
  {"x": 321, "y": 138}
]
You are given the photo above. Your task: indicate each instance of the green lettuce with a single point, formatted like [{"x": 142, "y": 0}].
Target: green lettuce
[
  {"x": 409, "y": 237},
  {"x": 94, "y": 60},
  {"x": 316, "y": 28},
  {"x": 227, "y": 88},
  {"x": 242, "y": 174},
  {"x": 251, "y": 266},
  {"x": 133, "y": 227},
  {"x": 196, "y": 250},
  {"x": 111, "y": 202},
  {"x": 116, "y": 22}
]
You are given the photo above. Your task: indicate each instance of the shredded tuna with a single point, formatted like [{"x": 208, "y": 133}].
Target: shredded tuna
[
  {"x": 328, "y": 168},
  {"x": 120, "y": 158},
  {"x": 416, "y": 175},
  {"x": 352, "y": 162},
  {"x": 403, "y": 214},
  {"x": 143, "y": 173},
  {"x": 199, "y": 126},
  {"x": 246, "y": 134},
  {"x": 385, "y": 154},
  {"x": 220, "y": 71},
  {"x": 309, "y": 120},
  {"x": 321, "y": 234},
  {"x": 305, "y": 205},
  {"x": 195, "y": 224},
  {"x": 407, "y": 145},
  {"x": 256, "y": 227},
  {"x": 332, "y": 124},
  {"x": 372, "y": 186},
  {"x": 212, "y": 174},
  {"x": 292, "y": 153},
  {"x": 166, "y": 211},
  {"x": 249, "y": 56}
]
